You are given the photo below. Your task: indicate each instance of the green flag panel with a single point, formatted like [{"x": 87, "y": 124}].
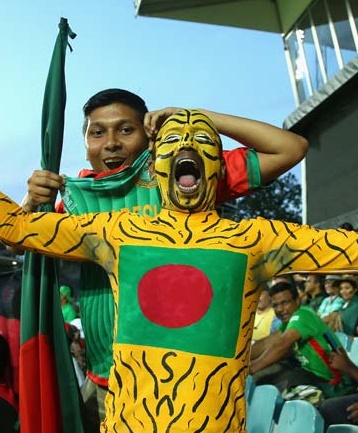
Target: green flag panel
[{"x": 180, "y": 305}]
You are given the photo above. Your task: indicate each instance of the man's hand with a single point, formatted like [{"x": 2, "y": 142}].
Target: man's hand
[
  {"x": 153, "y": 120},
  {"x": 340, "y": 360},
  {"x": 43, "y": 186},
  {"x": 353, "y": 412}
]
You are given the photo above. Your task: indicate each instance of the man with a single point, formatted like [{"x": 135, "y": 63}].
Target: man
[
  {"x": 333, "y": 302},
  {"x": 116, "y": 129},
  {"x": 180, "y": 281},
  {"x": 314, "y": 290},
  {"x": 303, "y": 333},
  {"x": 341, "y": 410},
  {"x": 265, "y": 318}
]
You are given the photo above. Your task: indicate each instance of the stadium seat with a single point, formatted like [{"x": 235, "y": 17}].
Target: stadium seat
[
  {"x": 344, "y": 339},
  {"x": 299, "y": 416},
  {"x": 353, "y": 351},
  {"x": 342, "y": 428},
  {"x": 249, "y": 389},
  {"x": 263, "y": 410}
]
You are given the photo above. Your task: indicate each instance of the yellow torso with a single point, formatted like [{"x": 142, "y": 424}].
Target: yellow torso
[{"x": 185, "y": 289}]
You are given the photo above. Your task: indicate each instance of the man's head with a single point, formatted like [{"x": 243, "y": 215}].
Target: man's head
[
  {"x": 188, "y": 163},
  {"x": 264, "y": 300},
  {"x": 284, "y": 300},
  {"x": 113, "y": 129},
  {"x": 314, "y": 285},
  {"x": 113, "y": 96},
  {"x": 331, "y": 284},
  {"x": 66, "y": 294}
]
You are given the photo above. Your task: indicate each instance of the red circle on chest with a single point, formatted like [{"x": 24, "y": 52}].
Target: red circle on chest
[{"x": 174, "y": 296}]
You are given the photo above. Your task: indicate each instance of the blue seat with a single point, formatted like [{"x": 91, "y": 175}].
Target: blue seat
[
  {"x": 249, "y": 389},
  {"x": 342, "y": 428},
  {"x": 263, "y": 410},
  {"x": 299, "y": 416},
  {"x": 345, "y": 339},
  {"x": 353, "y": 351}
]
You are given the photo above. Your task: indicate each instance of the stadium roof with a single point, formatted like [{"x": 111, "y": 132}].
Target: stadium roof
[{"x": 277, "y": 16}]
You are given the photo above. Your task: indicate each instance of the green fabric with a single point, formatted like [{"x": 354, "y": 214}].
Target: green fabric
[
  {"x": 130, "y": 188},
  {"x": 166, "y": 267},
  {"x": 68, "y": 312},
  {"x": 124, "y": 189},
  {"x": 40, "y": 306},
  {"x": 253, "y": 169},
  {"x": 349, "y": 317}
]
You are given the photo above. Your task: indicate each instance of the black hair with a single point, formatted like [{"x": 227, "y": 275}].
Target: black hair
[
  {"x": 281, "y": 287},
  {"x": 347, "y": 226},
  {"x": 111, "y": 96}
]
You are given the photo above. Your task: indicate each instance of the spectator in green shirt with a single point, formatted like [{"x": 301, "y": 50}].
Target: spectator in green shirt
[
  {"x": 68, "y": 310},
  {"x": 302, "y": 333}
]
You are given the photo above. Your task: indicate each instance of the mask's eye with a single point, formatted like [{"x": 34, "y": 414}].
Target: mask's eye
[
  {"x": 204, "y": 138},
  {"x": 172, "y": 138}
]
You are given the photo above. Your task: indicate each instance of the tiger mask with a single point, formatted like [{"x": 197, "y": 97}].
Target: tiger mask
[{"x": 188, "y": 162}]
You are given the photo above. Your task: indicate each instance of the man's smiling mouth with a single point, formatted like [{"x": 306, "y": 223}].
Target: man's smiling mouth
[{"x": 113, "y": 163}]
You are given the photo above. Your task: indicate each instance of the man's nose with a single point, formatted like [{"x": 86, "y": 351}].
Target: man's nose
[{"x": 113, "y": 141}]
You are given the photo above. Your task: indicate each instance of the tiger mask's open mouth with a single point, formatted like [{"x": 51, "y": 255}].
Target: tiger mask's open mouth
[{"x": 188, "y": 171}]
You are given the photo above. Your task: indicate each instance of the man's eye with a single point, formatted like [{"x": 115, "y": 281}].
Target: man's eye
[
  {"x": 203, "y": 138},
  {"x": 171, "y": 138},
  {"x": 97, "y": 133},
  {"x": 125, "y": 130}
]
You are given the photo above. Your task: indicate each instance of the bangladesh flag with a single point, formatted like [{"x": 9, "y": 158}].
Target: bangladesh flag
[
  {"x": 49, "y": 394},
  {"x": 178, "y": 304}
]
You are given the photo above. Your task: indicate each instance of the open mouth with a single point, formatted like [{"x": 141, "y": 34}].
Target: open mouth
[
  {"x": 187, "y": 175},
  {"x": 113, "y": 163}
]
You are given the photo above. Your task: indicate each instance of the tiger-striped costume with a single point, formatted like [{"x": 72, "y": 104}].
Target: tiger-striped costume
[{"x": 189, "y": 286}]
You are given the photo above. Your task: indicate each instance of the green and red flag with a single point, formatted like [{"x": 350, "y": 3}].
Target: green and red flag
[{"x": 48, "y": 390}]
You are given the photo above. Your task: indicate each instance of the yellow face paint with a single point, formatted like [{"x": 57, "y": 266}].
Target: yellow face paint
[{"x": 188, "y": 160}]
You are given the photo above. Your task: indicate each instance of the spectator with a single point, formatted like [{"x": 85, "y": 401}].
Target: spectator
[
  {"x": 341, "y": 410},
  {"x": 302, "y": 332},
  {"x": 349, "y": 313},
  {"x": 68, "y": 310},
  {"x": 77, "y": 352},
  {"x": 333, "y": 302},
  {"x": 300, "y": 282},
  {"x": 314, "y": 289},
  {"x": 265, "y": 318}
]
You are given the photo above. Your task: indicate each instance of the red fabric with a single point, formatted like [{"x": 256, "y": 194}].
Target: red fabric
[
  {"x": 98, "y": 380},
  {"x": 37, "y": 355},
  {"x": 337, "y": 377},
  {"x": 7, "y": 394},
  {"x": 236, "y": 183}
]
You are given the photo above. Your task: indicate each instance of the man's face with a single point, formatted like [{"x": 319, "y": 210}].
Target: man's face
[
  {"x": 114, "y": 137},
  {"x": 188, "y": 162},
  {"x": 328, "y": 287},
  {"x": 264, "y": 301},
  {"x": 284, "y": 305},
  {"x": 310, "y": 283}
]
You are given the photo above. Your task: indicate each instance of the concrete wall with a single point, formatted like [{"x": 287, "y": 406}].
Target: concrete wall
[{"x": 332, "y": 161}]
